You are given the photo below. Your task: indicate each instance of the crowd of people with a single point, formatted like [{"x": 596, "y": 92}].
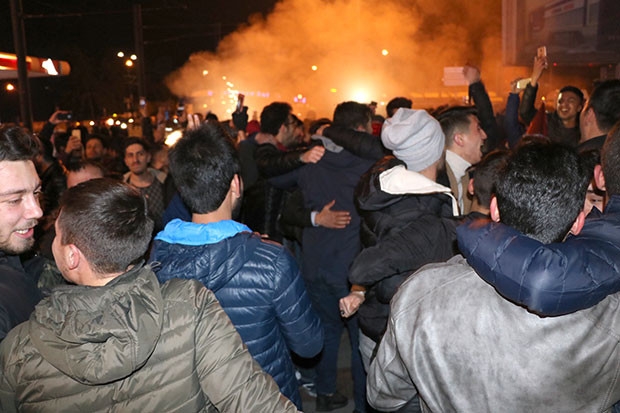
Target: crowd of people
[{"x": 471, "y": 258}]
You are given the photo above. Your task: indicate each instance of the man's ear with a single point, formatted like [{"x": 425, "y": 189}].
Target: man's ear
[
  {"x": 470, "y": 186},
  {"x": 236, "y": 186},
  {"x": 599, "y": 178},
  {"x": 494, "y": 210},
  {"x": 578, "y": 224},
  {"x": 458, "y": 139},
  {"x": 588, "y": 116},
  {"x": 74, "y": 255}
]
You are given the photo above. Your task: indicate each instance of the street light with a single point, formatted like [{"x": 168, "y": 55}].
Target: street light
[{"x": 130, "y": 77}]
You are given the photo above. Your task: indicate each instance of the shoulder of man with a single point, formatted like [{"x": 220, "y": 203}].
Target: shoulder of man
[{"x": 433, "y": 281}]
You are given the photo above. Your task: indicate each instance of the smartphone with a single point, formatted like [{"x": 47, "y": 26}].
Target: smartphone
[
  {"x": 142, "y": 102},
  {"x": 541, "y": 51},
  {"x": 522, "y": 83},
  {"x": 65, "y": 116},
  {"x": 76, "y": 133},
  {"x": 240, "y": 98}
]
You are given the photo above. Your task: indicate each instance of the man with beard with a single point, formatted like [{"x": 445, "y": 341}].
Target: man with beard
[
  {"x": 149, "y": 181},
  {"x": 257, "y": 282},
  {"x": 19, "y": 212}
]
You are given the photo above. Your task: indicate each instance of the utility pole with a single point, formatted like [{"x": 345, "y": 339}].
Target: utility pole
[
  {"x": 139, "y": 47},
  {"x": 19, "y": 42}
]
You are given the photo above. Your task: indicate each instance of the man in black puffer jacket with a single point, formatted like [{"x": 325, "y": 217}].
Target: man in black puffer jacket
[{"x": 398, "y": 194}]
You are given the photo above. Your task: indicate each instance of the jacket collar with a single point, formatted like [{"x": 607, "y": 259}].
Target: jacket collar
[{"x": 190, "y": 233}]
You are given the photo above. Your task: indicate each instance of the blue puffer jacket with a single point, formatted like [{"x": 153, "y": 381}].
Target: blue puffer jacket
[
  {"x": 257, "y": 283},
  {"x": 552, "y": 279}
]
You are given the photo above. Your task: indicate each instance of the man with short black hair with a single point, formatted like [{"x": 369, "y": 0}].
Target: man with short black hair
[
  {"x": 464, "y": 140},
  {"x": 149, "y": 181},
  {"x": 469, "y": 349},
  {"x": 118, "y": 341},
  {"x": 600, "y": 113},
  {"x": 20, "y": 188},
  {"x": 257, "y": 282}
]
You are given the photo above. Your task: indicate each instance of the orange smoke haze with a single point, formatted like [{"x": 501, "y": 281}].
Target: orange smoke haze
[{"x": 323, "y": 52}]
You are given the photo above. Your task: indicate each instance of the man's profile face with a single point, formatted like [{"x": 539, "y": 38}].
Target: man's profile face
[
  {"x": 137, "y": 158},
  {"x": 288, "y": 138},
  {"x": 569, "y": 105},
  {"x": 473, "y": 140},
  {"x": 19, "y": 205}
]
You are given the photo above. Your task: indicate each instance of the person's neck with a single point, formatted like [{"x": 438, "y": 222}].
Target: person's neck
[
  {"x": 220, "y": 214},
  {"x": 476, "y": 207},
  {"x": 590, "y": 133},
  {"x": 430, "y": 172},
  {"x": 141, "y": 180},
  {"x": 569, "y": 123}
]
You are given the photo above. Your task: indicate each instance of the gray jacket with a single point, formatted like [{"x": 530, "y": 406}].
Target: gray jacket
[
  {"x": 454, "y": 340},
  {"x": 132, "y": 346}
]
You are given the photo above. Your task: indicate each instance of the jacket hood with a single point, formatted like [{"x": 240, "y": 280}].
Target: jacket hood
[
  {"x": 210, "y": 253},
  {"x": 97, "y": 335},
  {"x": 389, "y": 181}
]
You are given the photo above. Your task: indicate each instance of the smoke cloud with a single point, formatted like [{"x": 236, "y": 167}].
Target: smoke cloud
[{"x": 317, "y": 53}]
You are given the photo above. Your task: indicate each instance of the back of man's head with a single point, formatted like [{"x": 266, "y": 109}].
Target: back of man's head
[
  {"x": 610, "y": 161},
  {"x": 605, "y": 102},
  {"x": 396, "y": 103},
  {"x": 541, "y": 190},
  {"x": 108, "y": 221},
  {"x": 486, "y": 173},
  {"x": 203, "y": 163},
  {"x": 274, "y": 116},
  {"x": 16, "y": 144},
  {"x": 455, "y": 119},
  {"x": 352, "y": 115}
]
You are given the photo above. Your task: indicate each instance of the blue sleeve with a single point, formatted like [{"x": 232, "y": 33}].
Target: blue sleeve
[
  {"x": 300, "y": 325},
  {"x": 514, "y": 130},
  {"x": 551, "y": 279}
]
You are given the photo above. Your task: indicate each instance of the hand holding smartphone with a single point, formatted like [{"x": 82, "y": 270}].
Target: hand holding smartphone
[{"x": 541, "y": 53}]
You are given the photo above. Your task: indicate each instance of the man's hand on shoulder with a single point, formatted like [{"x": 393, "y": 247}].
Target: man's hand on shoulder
[{"x": 313, "y": 155}]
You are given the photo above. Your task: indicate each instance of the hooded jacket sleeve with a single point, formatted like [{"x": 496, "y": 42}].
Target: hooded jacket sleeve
[
  {"x": 404, "y": 252},
  {"x": 229, "y": 376},
  {"x": 551, "y": 279}
]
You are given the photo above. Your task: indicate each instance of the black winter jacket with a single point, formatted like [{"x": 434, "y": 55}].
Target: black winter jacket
[{"x": 401, "y": 233}]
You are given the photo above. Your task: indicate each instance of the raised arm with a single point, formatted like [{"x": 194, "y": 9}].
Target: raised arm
[
  {"x": 479, "y": 94},
  {"x": 527, "y": 111}
]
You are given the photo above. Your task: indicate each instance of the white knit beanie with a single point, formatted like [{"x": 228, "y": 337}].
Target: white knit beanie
[{"x": 415, "y": 137}]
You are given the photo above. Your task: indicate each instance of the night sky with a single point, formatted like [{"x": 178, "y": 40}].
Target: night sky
[{"x": 89, "y": 33}]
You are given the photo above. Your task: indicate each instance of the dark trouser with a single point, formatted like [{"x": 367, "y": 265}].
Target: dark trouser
[{"x": 325, "y": 303}]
